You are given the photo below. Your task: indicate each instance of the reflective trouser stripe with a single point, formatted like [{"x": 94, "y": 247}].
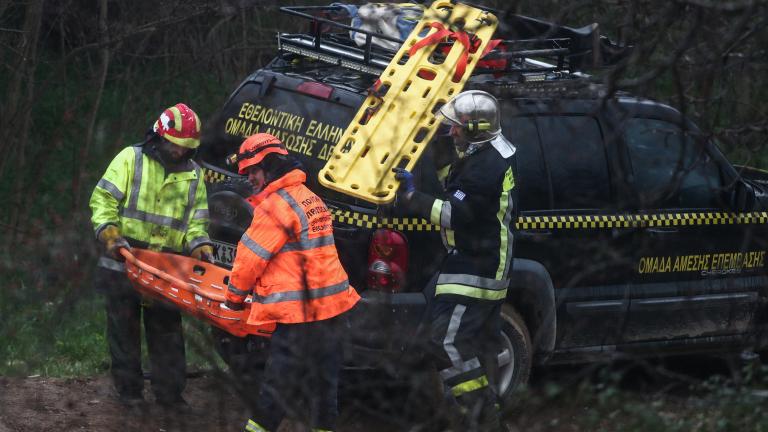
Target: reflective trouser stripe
[
  {"x": 470, "y": 291},
  {"x": 472, "y": 286},
  {"x": 252, "y": 426},
  {"x": 469, "y": 386}
]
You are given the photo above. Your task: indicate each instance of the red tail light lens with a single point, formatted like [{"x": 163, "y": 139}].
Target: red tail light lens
[{"x": 387, "y": 261}]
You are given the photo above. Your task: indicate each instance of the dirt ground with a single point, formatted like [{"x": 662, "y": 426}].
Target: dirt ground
[{"x": 88, "y": 404}]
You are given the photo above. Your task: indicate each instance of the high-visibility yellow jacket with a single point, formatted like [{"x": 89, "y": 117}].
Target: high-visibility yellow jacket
[
  {"x": 288, "y": 258},
  {"x": 152, "y": 208}
]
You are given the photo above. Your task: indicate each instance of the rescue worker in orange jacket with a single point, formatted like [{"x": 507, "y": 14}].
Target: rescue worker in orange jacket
[{"x": 288, "y": 262}]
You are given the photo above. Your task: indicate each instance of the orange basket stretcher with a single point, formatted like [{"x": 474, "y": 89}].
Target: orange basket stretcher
[{"x": 196, "y": 287}]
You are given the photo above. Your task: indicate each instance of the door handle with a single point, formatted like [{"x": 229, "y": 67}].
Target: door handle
[
  {"x": 662, "y": 231},
  {"x": 534, "y": 234}
]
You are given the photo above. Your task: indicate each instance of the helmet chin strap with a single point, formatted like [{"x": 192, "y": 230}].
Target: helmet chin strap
[{"x": 465, "y": 148}]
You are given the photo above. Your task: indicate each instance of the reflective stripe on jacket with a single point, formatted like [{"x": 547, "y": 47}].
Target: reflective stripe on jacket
[
  {"x": 476, "y": 216},
  {"x": 288, "y": 258},
  {"x": 167, "y": 212}
]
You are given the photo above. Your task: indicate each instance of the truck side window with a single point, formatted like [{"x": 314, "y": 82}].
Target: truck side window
[
  {"x": 576, "y": 161},
  {"x": 671, "y": 168},
  {"x": 534, "y": 191}
]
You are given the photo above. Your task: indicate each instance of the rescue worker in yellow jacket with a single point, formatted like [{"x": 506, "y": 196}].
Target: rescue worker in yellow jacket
[
  {"x": 151, "y": 196},
  {"x": 287, "y": 261}
]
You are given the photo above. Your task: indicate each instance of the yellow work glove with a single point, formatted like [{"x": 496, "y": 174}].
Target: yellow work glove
[
  {"x": 203, "y": 253},
  {"x": 113, "y": 242}
]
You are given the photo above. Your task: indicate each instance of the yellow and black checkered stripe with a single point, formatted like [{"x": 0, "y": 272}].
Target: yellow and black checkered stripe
[
  {"x": 363, "y": 220},
  {"x": 640, "y": 220},
  {"x": 368, "y": 221},
  {"x": 568, "y": 222},
  {"x": 211, "y": 176}
]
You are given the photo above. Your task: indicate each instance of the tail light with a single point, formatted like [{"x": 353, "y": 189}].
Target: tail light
[{"x": 387, "y": 261}]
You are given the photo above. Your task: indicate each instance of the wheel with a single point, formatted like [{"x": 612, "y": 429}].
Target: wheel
[{"x": 514, "y": 359}]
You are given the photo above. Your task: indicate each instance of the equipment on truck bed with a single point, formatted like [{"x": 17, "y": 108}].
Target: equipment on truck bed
[
  {"x": 196, "y": 287},
  {"x": 398, "y": 118}
]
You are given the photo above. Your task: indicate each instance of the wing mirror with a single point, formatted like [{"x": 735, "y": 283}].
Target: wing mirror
[{"x": 743, "y": 197}]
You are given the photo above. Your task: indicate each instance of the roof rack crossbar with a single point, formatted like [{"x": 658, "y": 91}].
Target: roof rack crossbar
[{"x": 330, "y": 41}]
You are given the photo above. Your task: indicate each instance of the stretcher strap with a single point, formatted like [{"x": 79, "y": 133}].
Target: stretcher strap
[{"x": 441, "y": 33}]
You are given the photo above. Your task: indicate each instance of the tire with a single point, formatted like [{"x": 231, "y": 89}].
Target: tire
[{"x": 514, "y": 359}]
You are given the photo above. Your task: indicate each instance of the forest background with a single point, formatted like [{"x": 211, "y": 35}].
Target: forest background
[{"x": 79, "y": 80}]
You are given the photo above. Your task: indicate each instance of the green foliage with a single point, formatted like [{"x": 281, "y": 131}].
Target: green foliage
[{"x": 51, "y": 337}]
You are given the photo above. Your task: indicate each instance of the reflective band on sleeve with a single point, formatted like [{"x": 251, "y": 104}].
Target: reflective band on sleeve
[
  {"x": 304, "y": 294},
  {"x": 450, "y": 238},
  {"x": 101, "y": 227},
  {"x": 109, "y": 263},
  {"x": 445, "y": 215},
  {"x": 252, "y": 426},
  {"x": 308, "y": 244},
  {"x": 434, "y": 214},
  {"x": 201, "y": 214},
  {"x": 256, "y": 248},
  {"x": 468, "y": 291},
  {"x": 237, "y": 291},
  {"x": 111, "y": 188},
  {"x": 195, "y": 243},
  {"x": 143, "y": 216},
  {"x": 472, "y": 280},
  {"x": 469, "y": 386}
]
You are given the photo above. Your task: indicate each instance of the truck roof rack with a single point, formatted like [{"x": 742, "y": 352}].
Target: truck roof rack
[{"x": 531, "y": 48}]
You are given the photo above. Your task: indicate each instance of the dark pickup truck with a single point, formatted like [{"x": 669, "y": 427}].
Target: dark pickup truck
[{"x": 636, "y": 236}]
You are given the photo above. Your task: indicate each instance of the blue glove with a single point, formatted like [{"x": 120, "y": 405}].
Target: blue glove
[{"x": 407, "y": 188}]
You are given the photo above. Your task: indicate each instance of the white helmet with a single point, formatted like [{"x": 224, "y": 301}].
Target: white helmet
[{"x": 476, "y": 113}]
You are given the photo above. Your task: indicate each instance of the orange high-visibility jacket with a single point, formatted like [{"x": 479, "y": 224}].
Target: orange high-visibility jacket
[{"x": 287, "y": 258}]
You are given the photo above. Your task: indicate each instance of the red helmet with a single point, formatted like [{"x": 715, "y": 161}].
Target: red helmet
[
  {"x": 255, "y": 147},
  {"x": 179, "y": 125}
]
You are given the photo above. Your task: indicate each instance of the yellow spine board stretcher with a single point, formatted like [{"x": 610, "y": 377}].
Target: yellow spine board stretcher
[
  {"x": 397, "y": 119},
  {"x": 195, "y": 287}
]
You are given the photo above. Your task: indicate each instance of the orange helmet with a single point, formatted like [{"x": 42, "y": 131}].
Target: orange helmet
[
  {"x": 255, "y": 147},
  {"x": 179, "y": 125}
]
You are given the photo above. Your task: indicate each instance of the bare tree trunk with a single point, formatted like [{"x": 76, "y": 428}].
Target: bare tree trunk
[
  {"x": 17, "y": 115},
  {"x": 85, "y": 151}
]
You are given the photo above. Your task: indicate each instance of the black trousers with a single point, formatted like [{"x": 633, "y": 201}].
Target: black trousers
[
  {"x": 464, "y": 338},
  {"x": 163, "y": 333},
  {"x": 302, "y": 374}
]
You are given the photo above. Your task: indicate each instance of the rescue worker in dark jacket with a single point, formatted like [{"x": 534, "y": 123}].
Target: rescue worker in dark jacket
[
  {"x": 151, "y": 196},
  {"x": 287, "y": 260},
  {"x": 476, "y": 216}
]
